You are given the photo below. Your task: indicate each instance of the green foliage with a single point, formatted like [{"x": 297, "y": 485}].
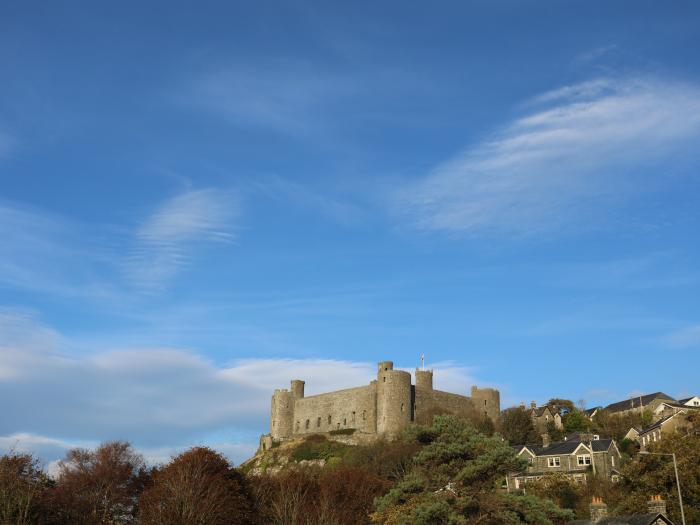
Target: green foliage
[
  {"x": 554, "y": 433},
  {"x": 318, "y": 447},
  {"x": 516, "y": 426},
  {"x": 653, "y": 474},
  {"x": 455, "y": 479},
  {"x": 576, "y": 421},
  {"x": 563, "y": 406},
  {"x": 342, "y": 432}
]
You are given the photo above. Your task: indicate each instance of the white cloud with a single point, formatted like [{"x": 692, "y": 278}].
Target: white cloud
[
  {"x": 165, "y": 240},
  {"x": 161, "y": 399},
  {"x": 579, "y": 150}
]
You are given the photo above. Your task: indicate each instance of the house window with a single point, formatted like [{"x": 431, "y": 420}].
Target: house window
[
  {"x": 612, "y": 460},
  {"x": 583, "y": 459},
  {"x": 553, "y": 462}
]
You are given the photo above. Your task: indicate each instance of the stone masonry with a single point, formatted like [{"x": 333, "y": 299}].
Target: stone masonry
[{"x": 383, "y": 408}]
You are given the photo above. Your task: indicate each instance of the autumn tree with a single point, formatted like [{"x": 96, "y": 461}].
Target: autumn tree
[
  {"x": 23, "y": 487},
  {"x": 516, "y": 426},
  {"x": 99, "y": 487},
  {"x": 456, "y": 479},
  {"x": 198, "y": 487},
  {"x": 653, "y": 474}
]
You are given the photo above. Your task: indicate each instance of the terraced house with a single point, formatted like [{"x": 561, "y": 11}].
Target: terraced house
[{"x": 577, "y": 457}]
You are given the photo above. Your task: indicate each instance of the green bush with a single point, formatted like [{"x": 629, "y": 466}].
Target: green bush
[{"x": 318, "y": 447}]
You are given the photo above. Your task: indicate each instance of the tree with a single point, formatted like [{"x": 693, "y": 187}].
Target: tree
[
  {"x": 455, "y": 480},
  {"x": 23, "y": 487},
  {"x": 563, "y": 406},
  {"x": 198, "y": 487},
  {"x": 99, "y": 487},
  {"x": 576, "y": 421},
  {"x": 516, "y": 426},
  {"x": 652, "y": 474}
]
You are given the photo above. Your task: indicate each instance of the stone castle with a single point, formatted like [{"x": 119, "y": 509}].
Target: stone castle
[{"x": 384, "y": 408}]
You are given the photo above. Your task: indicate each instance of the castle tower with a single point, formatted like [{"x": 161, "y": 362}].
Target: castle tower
[
  {"x": 298, "y": 388},
  {"x": 393, "y": 399},
  {"x": 487, "y": 401},
  {"x": 424, "y": 379},
  {"x": 282, "y": 414}
]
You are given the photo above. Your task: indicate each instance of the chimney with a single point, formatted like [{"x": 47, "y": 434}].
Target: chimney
[
  {"x": 533, "y": 404},
  {"x": 545, "y": 440},
  {"x": 599, "y": 510},
  {"x": 657, "y": 505}
]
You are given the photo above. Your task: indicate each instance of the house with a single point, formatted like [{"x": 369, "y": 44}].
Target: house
[
  {"x": 668, "y": 408},
  {"x": 665, "y": 425},
  {"x": 639, "y": 403},
  {"x": 591, "y": 412},
  {"x": 690, "y": 401},
  {"x": 541, "y": 416},
  {"x": 574, "y": 457},
  {"x": 655, "y": 515}
]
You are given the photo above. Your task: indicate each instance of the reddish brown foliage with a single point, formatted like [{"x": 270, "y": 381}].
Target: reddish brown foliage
[{"x": 198, "y": 487}]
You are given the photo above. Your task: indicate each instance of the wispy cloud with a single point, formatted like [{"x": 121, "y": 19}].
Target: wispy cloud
[
  {"x": 287, "y": 97},
  {"x": 160, "y": 398},
  {"x": 164, "y": 242},
  {"x": 686, "y": 337},
  {"x": 576, "y": 150}
]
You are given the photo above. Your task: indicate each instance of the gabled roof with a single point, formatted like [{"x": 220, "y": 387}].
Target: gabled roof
[
  {"x": 590, "y": 412},
  {"x": 539, "y": 411},
  {"x": 660, "y": 422},
  {"x": 634, "y": 519},
  {"x": 687, "y": 399},
  {"x": 567, "y": 447},
  {"x": 633, "y": 402}
]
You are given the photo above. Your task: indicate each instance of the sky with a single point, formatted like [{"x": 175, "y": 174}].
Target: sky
[{"x": 200, "y": 201}]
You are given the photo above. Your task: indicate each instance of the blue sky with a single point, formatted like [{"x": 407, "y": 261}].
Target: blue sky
[{"x": 200, "y": 201}]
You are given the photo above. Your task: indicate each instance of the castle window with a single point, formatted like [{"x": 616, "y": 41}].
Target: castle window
[
  {"x": 318, "y": 423},
  {"x": 384, "y": 379},
  {"x": 297, "y": 427},
  {"x": 364, "y": 415},
  {"x": 307, "y": 424},
  {"x": 401, "y": 407},
  {"x": 353, "y": 417},
  {"x": 345, "y": 422},
  {"x": 484, "y": 402},
  {"x": 329, "y": 420}
]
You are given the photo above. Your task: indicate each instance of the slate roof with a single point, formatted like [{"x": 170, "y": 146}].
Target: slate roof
[
  {"x": 659, "y": 423},
  {"x": 628, "y": 404},
  {"x": 590, "y": 411},
  {"x": 567, "y": 447},
  {"x": 634, "y": 519},
  {"x": 685, "y": 400}
]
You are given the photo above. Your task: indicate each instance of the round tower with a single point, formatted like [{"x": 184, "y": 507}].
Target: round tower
[
  {"x": 298, "y": 388},
  {"x": 282, "y": 414},
  {"x": 393, "y": 399},
  {"x": 424, "y": 379},
  {"x": 487, "y": 401}
]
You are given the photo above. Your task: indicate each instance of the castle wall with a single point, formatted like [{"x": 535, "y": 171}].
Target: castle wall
[
  {"x": 428, "y": 402},
  {"x": 487, "y": 401},
  {"x": 350, "y": 408}
]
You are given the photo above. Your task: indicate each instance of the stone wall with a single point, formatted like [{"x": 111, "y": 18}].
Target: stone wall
[
  {"x": 350, "y": 408},
  {"x": 430, "y": 402}
]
